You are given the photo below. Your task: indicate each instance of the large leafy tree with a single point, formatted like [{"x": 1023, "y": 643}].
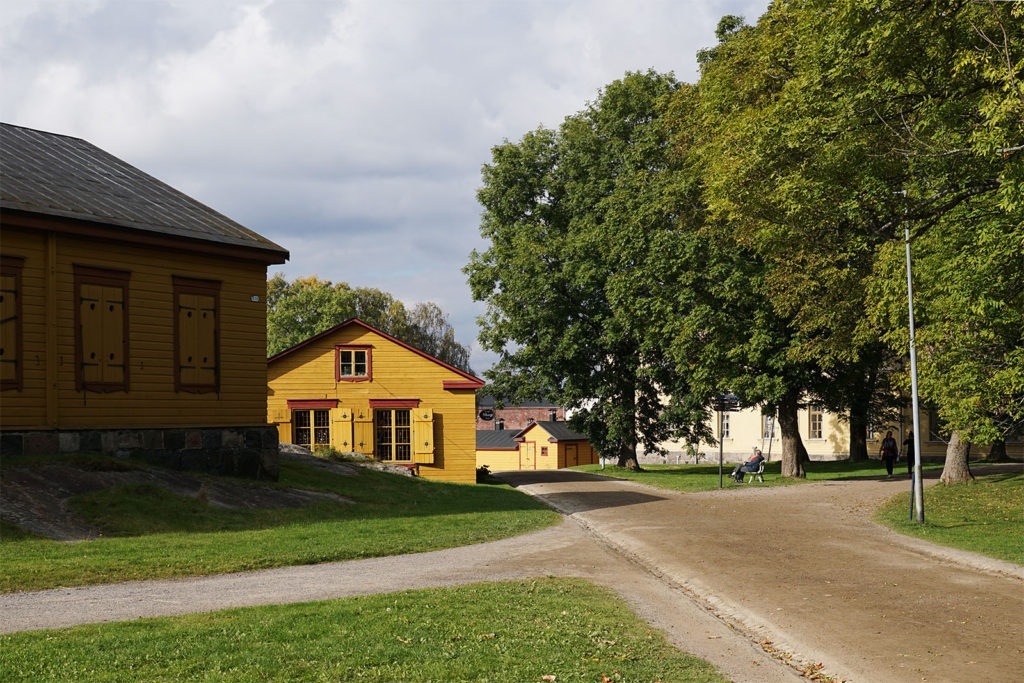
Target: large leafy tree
[
  {"x": 306, "y": 306},
  {"x": 566, "y": 213},
  {"x": 841, "y": 124}
]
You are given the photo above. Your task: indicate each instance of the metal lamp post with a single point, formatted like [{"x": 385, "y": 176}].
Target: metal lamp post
[{"x": 918, "y": 484}]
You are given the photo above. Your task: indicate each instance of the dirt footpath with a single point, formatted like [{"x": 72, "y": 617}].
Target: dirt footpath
[{"x": 804, "y": 567}]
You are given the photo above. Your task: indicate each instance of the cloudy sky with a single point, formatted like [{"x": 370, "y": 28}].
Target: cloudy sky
[{"x": 350, "y": 132}]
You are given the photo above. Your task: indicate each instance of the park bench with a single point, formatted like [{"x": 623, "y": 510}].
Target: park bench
[{"x": 758, "y": 474}]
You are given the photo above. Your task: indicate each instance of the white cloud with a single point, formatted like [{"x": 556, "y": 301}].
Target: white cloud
[{"x": 350, "y": 132}]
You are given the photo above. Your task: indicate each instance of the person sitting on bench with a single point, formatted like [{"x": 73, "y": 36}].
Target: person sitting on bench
[{"x": 751, "y": 465}]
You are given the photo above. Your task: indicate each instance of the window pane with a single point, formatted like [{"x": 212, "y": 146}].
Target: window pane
[
  {"x": 322, "y": 418},
  {"x": 322, "y": 435}
]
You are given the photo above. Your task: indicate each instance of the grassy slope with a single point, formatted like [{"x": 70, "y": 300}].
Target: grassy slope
[
  {"x": 568, "y": 629},
  {"x": 152, "y": 533},
  {"x": 986, "y": 516}
]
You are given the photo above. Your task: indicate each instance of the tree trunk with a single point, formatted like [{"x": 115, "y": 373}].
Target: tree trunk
[
  {"x": 957, "y": 469},
  {"x": 794, "y": 455},
  {"x": 627, "y": 446},
  {"x": 858, "y": 430},
  {"x": 998, "y": 452}
]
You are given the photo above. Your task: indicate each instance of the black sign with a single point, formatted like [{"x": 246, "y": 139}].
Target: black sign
[
  {"x": 726, "y": 403},
  {"x": 486, "y": 414}
]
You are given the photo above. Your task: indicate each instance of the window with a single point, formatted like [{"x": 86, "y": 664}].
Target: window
[
  {"x": 499, "y": 424},
  {"x": 767, "y": 426},
  {"x": 196, "y": 308},
  {"x": 311, "y": 427},
  {"x": 393, "y": 434},
  {"x": 872, "y": 432},
  {"x": 815, "y": 420},
  {"x": 553, "y": 416},
  {"x": 101, "y": 320},
  {"x": 352, "y": 363},
  {"x": 726, "y": 434},
  {"x": 10, "y": 322},
  {"x": 543, "y": 451}
]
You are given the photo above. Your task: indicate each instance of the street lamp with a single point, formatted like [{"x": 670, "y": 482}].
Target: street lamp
[
  {"x": 917, "y": 493},
  {"x": 723, "y": 403}
]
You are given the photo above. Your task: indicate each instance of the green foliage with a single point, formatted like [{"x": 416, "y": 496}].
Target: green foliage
[
  {"x": 305, "y": 307},
  {"x": 564, "y": 628},
  {"x": 153, "y": 533},
  {"x": 984, "y": 516}
]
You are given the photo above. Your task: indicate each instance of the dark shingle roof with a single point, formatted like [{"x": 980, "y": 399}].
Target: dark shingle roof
[
  {"x": 559, "y": 431},
  {"x": 57, "y": 175},
  {"x": 498, "y": 438}
]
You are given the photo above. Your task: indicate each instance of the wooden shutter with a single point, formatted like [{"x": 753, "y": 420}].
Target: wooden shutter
[
  {"x": 362, "y": 431},
  {"x": 187, "y": 307},
  {"x": 9, "y": 328},
  {"x": 423, "y": 435},
  {"x": 113, "y": 335},
  {"x": 91, "y": 331},
  {"x": 206, "y": 340},
  {"x": 343, "y": 430}
]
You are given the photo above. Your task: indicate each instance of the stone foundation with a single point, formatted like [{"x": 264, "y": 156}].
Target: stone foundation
[{"x": 236, "y": 451}]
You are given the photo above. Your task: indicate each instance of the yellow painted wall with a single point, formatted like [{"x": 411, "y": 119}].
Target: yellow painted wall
[
  {"x": 497, "y": 460},
  {"x": 535, "y": 440},
  {"x": 397, "y": 373},
  {"x": 745, "y": 433},
  {"x": 151, "y": 400}
]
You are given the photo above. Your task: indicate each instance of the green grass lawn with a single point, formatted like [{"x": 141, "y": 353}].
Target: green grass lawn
[
  {"x": 985, "y": 516},
  {"x": 692, "y": 478},
  {"x": 152, "y": 533},
  {"x": 516, "y": 631}
]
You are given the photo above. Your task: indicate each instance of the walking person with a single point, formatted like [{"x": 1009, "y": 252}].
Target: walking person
[
  {"x": 888, "y": 451},
  {"x": 908, "y": 450}
]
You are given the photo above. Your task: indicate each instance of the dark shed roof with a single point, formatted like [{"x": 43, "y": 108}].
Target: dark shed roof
[
  {"x": 57, "y": 175},
  {"x": 499, "y": 438},
  {"x": 559, "y": 431}
]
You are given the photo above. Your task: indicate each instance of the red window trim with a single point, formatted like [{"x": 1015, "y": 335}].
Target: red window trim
[
  {"x": 394, "y": 403},
  {"x": 190, "y": 285},
  {"x": 107, "y": 277},
  {"x": 312, "y": 403},
  {"x": 353, "y": 347},
  {"x": 11, "y": 266}
]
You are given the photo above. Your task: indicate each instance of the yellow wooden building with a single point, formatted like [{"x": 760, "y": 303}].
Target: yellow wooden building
[
  {"x": 134, "y": 317},
  {"x": 552, "y": 445},
  {"x": 360, "y": 390},
  {"x": 497, "y": 449}
]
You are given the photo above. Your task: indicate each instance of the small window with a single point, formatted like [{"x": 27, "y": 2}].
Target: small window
[
  {"x": 815, "y": 420},
  {"x": 726, "y": 433},
  {"x": 10, "y": 323},
  {"x": 499, "y": 424},
  {"x": 872, "y": 431},
  {"x": 101, "y": 313},
  {"x": 352, "y": 363},
  {"x": 311, "y": 427},
  {"x": 393, "y": 431},
  {"x": 767, "y": 426},
  {"x": 196, "y": 332},
  {"x": 543, "y": 451},
  {"x": 553, "y": 415}
]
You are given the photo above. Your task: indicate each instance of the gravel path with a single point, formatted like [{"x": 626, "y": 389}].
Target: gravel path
[{"x": 819, "y": 584}]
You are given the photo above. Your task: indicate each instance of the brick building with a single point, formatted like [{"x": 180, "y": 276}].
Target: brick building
[{"x": 515, "y": 417}]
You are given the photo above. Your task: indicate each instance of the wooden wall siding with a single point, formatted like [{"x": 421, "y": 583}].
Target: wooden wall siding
[
  {"x": 537, "y": 439},
  {"x": 498, "y": 460},
  {"x": 309, "y": 373},
  {"x": 151, "y": 399}
]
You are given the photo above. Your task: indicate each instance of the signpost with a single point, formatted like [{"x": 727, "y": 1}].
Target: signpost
[{"x": 723, "y": 403}]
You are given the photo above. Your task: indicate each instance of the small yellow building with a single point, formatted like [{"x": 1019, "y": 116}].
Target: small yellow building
[
  {"x": 551, "y": 446},
  {"x": 360, "y": 390},
  {"x": 497, "y": 450},
  {"x": 132, "y": 317}
]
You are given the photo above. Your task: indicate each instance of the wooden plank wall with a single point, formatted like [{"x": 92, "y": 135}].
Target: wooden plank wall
[
  {"x": 497, "y": 460},
  {"x": 151, "y": 400},
  {"x": 398, "y": 373}
]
